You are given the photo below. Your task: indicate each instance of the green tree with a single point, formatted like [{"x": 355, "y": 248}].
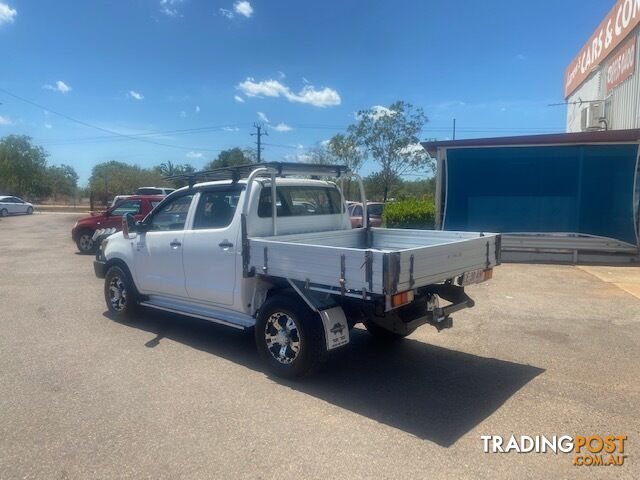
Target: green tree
[
  {"x": 231, "y": 158},
  {"x": 118, "y": 178},
  {"x": 344, "y": 150},
  {"x": 23, "y": 167},
  {"x": 170, "y": 169},
  {"x": 62, "y": 180},
  {"x": 390, "y": 138}
]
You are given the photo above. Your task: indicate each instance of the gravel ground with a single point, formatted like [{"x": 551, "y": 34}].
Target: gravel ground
[{"x": 547, "y": 350}]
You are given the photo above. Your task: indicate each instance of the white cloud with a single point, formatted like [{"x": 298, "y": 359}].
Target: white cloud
[
  {"x": 194, "y": 155},
  {"x": 521, "y": 56},
  {"x": 183, "y": 114},
  {"x": 197, "y": 109},
  {"x": 48, "y": 125},
  {"x": 243, "y": 8},
  {"x": 226, "y": 13},
  {"x": 60, "y": 86},
  {"x": 325, "y": 97},
  {"x": 378, "y": 111},
  {"x": 238, "y": 98},
  {"x": 282, "y": 127},
  {"x": 231, "y": 129},
  {"x": 7, "y": 14},
  {"x": 5, "y": 121},
  {"x": 263, "y": 117},
  {"x": 281, "y": 75},
  {"x": 412, "y": 149},
  {"x": 170, "y": 7},
  {"x": 136, "y": 95}
]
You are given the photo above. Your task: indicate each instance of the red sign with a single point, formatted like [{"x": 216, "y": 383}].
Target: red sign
[
  {"x": 622, "y": 65},
  {"x": 620, "y": 21}
]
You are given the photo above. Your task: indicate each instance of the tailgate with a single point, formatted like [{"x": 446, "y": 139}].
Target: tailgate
[{"x": 421, "y": 266}]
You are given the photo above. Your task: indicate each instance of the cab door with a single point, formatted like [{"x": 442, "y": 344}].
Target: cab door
[
  {"x": 158, "y": 250},
  {"x": 212, "y": 246}
]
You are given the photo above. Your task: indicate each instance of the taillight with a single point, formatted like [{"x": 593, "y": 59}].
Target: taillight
[{"x": 403, "y": 298}]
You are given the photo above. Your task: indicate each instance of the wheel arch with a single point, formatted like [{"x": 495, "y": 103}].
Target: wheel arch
[{"x": 118, "y": 262}]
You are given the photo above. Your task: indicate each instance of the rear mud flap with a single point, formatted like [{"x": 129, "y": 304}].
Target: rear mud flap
[{"x": 336, "y": 328}]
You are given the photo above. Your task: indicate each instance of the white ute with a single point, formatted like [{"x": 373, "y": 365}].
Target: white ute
[{"x": 260, "y": 247}]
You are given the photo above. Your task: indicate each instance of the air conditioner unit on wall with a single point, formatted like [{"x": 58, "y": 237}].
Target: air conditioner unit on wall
[{"x": 593, "y": 117}]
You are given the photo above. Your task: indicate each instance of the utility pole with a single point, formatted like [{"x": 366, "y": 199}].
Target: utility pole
[{"x": 259, "y": 134}]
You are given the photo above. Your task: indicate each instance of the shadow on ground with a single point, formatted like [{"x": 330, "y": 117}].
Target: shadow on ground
[{"x": 431, "y": 392}]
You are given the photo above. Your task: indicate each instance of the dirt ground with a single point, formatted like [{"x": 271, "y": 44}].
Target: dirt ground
[{"x": 551, "y": 350}]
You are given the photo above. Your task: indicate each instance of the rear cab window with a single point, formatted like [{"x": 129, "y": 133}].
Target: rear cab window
[{"x": 294, "y": 201}]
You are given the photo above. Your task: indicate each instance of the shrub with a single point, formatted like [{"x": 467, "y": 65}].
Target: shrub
[{"x": 410, "y": 214}]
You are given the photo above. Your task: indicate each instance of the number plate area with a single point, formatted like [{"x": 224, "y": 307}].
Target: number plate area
[{"x": 476, "y": 276}]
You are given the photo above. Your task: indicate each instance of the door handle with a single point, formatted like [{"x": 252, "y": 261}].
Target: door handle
[
  {"x": 225, "y": 244},
  {"x": 175, "y": 244}
]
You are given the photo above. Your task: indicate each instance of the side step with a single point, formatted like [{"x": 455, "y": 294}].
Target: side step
[{"x": 229, "y": 318}]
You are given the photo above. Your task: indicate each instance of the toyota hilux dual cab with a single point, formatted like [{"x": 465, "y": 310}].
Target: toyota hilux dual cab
[{"x": 257, "y": 247}]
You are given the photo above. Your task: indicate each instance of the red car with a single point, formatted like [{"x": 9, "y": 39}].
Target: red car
[
  {"x": 374, "y": 209},
  {"x": 83, "y": 231}
]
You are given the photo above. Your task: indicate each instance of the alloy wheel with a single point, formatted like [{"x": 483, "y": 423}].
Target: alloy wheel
[
  {"x": 282, "y": 337},
  {"x": 117, "y": 293}
]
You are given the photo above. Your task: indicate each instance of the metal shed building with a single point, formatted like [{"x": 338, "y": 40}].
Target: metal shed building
[
  {"x": 601, "y": 85},
  {"x": 570, "y": 197}
]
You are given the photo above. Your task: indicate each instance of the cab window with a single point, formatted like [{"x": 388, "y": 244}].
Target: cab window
[
  {"x": 171, "y": 215},
  {"x": 131, "y": 206},
  {"x": 296, "y": 201},
  {"x": 216, "y": 208}
]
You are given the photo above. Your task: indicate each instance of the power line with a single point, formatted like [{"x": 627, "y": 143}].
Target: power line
[
  {"x": 53, "y": 141},
  {"x": 96, "y": 127}
]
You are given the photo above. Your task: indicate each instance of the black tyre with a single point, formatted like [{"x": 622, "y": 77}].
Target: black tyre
[
  {"x": 120, "y": 293},
  {"x": 289, "y": 337},
  {"x": 85, "y": 243},
  {"x": 382, "y": 334},
  {"x": 4, "y": 212},
  {"x": 29, "y": 210}
]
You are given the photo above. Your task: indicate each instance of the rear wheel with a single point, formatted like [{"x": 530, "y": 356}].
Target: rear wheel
[
  {"x": 289, "y": 337},
  {"x": 120, "y": 293},
  {"x": 4, "y": 212},
  {"x": 85, "y": 242}
]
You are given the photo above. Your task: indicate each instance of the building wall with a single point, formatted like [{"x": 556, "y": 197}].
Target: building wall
[{"x": 622, "y": 103}]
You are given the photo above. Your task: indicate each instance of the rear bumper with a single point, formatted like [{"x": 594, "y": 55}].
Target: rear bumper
[{"x": 100, "y": 268}]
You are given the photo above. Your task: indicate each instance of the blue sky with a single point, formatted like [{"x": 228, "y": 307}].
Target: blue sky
[{"x": 143, "y": 66}]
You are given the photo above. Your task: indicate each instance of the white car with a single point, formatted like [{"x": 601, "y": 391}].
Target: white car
[
  {"x": 14, "y": 205},
  {"x": 281, "y": 258}
]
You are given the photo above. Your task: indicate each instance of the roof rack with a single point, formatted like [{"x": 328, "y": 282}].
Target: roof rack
[{"x": 279, "y": 168}]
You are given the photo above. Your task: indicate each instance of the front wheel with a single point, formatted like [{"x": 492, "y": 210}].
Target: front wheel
[
  {"x": 85, "y": 242},
  {"x": 29, "y": 210},
  {"x": 289, "y": 337},
  {"x": 120, "y": 293}
]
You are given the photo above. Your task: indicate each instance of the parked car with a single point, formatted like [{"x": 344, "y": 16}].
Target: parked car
[
  {"x": 283, "y": 261},
  {"x": 14, "y": 205},
  {"x": 83, "y": 232},
  {"x": 119, "y": 198},
  {"x": 374, "y": 210},
  {"x": 144, "y": 191},
  {"x": 154, "y": 191}
]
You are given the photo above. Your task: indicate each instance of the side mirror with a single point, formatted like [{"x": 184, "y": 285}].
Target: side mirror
[{"x": 128, "y": 225}]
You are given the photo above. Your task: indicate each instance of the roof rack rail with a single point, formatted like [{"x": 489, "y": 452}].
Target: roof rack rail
[{"x": 278, "y": 168}]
